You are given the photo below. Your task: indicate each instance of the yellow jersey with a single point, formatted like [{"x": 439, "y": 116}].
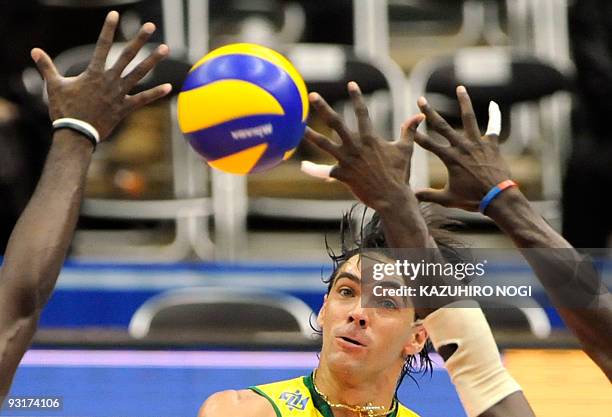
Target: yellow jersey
[{"x": 298, "y": 398}]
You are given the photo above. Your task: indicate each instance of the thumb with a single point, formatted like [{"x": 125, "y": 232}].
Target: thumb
[
  {"x": 431, "y": 195},
  {"x": 44, "y": 64},
  {"x": 409, "y": 127}
]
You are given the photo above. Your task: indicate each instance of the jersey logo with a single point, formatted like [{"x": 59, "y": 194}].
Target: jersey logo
[{"x": 294, "y": 400}]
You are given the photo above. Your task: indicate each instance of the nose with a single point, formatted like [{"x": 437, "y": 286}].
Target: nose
[{"x": 358, "y": 315}]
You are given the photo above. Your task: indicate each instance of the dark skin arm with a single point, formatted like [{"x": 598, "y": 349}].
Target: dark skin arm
[
  {"x": 377, "y": 171},
  {"x": 40, "y": 240},
  {"x": 591, "y": 324},
  {"x": 475, "y": 164}
]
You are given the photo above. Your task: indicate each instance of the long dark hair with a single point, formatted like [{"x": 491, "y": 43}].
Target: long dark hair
[{"x": 357, "y": 235}]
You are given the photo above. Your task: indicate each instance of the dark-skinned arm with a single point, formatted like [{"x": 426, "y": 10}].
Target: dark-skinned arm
[
  {"x": 37, "y": 247},
  {"x": 591, "y": 323},
  {"x": 39, "y": 243},
  {"x": 475, "y": 165},
  {"x": 377, "y": 172}
]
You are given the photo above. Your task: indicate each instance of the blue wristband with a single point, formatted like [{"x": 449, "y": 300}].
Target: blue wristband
[{"x": 494, "y": 192}]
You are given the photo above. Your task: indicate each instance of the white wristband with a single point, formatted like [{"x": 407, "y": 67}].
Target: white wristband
[
  {"x": 475, "y": 367},
  {"x": 78, "y": 125}
]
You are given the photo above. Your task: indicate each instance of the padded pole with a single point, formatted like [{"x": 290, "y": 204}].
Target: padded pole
[
  {"x": 371, "y": 28},
  {"x": 229, "y": 192}
]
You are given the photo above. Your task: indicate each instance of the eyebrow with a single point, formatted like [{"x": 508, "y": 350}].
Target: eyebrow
[
  {"x": 348, "y": 275},
  {"x": 389, "y": 284}
]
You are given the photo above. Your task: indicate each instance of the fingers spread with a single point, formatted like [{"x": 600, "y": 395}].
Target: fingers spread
[
  {"x": 322, "y": 142},
  {"x": 142, "y": 99},
  {"x": 135, "y": 45},
  {"x": 145, "y": 66},
  {"x": 470, "y": 124},
  {"x": 331, "y": 118},
  {"x": 437, "y": 122},
  {"x": 45, "y": 65},
  {"x": 361, "y": 110},
  {"x": 105, "y": 41}
]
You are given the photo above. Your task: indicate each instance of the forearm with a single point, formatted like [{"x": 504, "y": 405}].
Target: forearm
[
  {"x": 569, "y": 278},
  {"x": 41, "y": 238},
  {"x": 461, "y": 335},
  {"x": 515, "y": 404},
  {"x": 514, "y": 215},
  {"x": 403, "y": 222},
  {"x": 407, "y": 233}
]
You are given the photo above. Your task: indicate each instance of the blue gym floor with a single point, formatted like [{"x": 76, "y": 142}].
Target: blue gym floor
[{"x": 169, "y": 384}]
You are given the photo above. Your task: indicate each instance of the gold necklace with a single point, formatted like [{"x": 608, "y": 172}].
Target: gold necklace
[{"x": 367, "y": 410}]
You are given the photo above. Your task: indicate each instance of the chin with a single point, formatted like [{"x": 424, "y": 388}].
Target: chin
[{"x": 342, "y": 362}]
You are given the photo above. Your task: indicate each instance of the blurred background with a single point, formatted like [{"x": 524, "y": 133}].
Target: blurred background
[{"x": 183, "y": 281}]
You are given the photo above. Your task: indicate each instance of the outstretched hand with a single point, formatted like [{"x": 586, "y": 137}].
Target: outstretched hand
[
  {"x": 373, "y": 168},
  {"x": 98, "y": 95},
  {"x": 474, "y": 162}
]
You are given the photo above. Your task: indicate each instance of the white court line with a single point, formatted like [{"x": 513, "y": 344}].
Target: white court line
[
  {"x": 208, "y": 359},
  {"x": 173, "y": 359}
]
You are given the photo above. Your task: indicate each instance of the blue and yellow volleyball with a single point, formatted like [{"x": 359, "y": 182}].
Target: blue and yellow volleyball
[{"x": 243, "y": 107}]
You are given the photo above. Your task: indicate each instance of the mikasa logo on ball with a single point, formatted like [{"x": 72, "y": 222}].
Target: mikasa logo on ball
[
  {"x": 265, "y": 112},
  {"x": 257, "y": 131}
]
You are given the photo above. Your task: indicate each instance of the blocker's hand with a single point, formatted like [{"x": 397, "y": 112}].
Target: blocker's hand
[
  {"x": 474, "y": 163},
  {"x": 373, "y": 168},
  {"x": 100, "y": 96}
]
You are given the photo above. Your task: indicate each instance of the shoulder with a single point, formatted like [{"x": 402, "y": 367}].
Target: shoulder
[{"x": 231, "y": 402}]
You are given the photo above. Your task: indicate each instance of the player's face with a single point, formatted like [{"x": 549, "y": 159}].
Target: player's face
[{"x": 369, "y": 340}]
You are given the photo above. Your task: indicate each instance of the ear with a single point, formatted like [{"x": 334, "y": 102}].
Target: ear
[
  {"x": 416, "y": 343},
  {"x": 321, "y": 314}
]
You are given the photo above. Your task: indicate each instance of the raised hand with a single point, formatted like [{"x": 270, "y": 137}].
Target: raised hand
[
  {"x": 373, "y": 168},
  {"x": 474, "y": 162},
  {"x": 100, "y": 96},
  {"x": 40, "y": 240}
]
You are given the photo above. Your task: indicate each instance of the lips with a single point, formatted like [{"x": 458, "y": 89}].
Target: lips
[{"x": 352, "y": 341}]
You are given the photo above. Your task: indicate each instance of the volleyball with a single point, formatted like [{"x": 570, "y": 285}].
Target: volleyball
[{"x": 243, "y": 107}]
